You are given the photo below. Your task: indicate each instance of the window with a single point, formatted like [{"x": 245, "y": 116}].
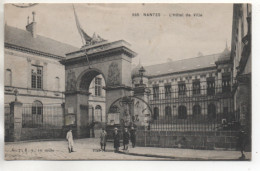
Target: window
[
  {"x": 225, "y": 112},
  {"x": 211, "y": 111},
  {"x": 182, "y": 112},
  {"x": 57, "y": 83},
  {"x": 182, "y": 88},
  {"x": 196, "y": 87},
  {"x": 37, "y": 114},
  {"x": 196, "y": 110},
  {"x": 156, "y": 92},
  {"x": 98, "y": 113},
  {"x": 226, "y": 87},
  {"x": 98, "y": 86},
  {"x": 36, "y": 77},
  {"x": 168, "y": 111},
  {"x": 155, "y": 113},
  {"x": 167, "y": 91},
  {"x": 211, "y": 86},
  {"x": 37, "y": 108},
  {"x": 8, "y": 77}
]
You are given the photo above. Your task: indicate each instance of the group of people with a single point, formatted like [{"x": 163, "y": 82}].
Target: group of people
[
  {"x": 103, "y": 139},
  {"x": 126, "y": 136}
]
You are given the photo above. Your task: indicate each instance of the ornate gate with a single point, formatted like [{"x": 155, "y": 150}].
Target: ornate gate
[{"x": 128, "y": 111}]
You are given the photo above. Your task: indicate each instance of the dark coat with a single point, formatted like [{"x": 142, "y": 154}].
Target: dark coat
[
  {"x": 241, "y": 140},
  {"x": 132, "y": 135},
  {"x": 126, "y": 137},
  {"x": 116, "y": 140}
]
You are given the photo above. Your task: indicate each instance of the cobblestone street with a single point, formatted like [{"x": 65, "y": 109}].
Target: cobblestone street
[
  {"x": 87, "y": 149},
  {"x": 57, "y": 150}
]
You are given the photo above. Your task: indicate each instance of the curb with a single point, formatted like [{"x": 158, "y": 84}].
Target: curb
[{"x": 179, "y": 158}]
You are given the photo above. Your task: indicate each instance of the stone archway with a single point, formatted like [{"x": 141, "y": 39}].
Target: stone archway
[
  {"x": 86, "y": 77},
  {"x": 110, "y": 59}
]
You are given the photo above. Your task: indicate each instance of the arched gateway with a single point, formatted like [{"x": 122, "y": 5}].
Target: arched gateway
[{"x": 113, "y": 61}]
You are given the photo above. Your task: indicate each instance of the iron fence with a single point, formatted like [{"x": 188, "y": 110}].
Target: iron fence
[
  {"x": 8, "y": 116},
  {"x": 192, "y": 105},
  {"x": 39, "y": 116}
]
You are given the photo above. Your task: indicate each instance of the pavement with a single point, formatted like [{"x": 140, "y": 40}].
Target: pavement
[{"x": 89, "y": 149}]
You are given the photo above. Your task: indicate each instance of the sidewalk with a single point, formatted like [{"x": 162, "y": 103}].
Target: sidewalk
[
  {"x": 88, "y": 149},
  {"x": 186, "y": 154}
]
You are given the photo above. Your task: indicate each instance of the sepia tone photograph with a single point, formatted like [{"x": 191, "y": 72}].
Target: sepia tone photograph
[{"x": 134, "y": 81}]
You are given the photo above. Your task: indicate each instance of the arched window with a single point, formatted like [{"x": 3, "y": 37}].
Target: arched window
[
  {"x": 57, "y": 84},
  {"x": 182, "y": 112},
  {"x": 8, "y": 77},
  {"x": 211, "y": 111},
  {"x": 168, "y": 111},
  {"x": 155, "y": 113},
  {"x": 98, "y": 113},
  {"x": 37, "y": 108},
  {"x": 196, "y": 110},
  {"x": 37, "y": 114}
]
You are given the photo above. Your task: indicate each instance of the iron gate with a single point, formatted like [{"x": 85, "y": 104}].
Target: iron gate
[{"x": 193, "y": 106}]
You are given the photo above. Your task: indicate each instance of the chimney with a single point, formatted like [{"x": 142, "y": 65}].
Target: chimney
[{"x": 31, "y": 27}]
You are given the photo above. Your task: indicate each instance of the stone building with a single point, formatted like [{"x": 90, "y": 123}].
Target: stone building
[
  {"x": 241, "y": 58},
  {"x": 200, "y": 77},
  {"x": 32, "y": 66},
  {"x": 35, "y": 77}
]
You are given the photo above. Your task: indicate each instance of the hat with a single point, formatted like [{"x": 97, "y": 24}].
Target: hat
[{"x": 115, "y": 128}]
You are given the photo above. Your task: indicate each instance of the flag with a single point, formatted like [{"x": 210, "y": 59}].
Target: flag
[{"x": 83, "y": 35}]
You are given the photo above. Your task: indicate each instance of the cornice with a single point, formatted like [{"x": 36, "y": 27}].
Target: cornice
[
  {"x": 181, "y": 72},
  {"x": 31, "y": 51},
  {"x": 100, "y": 54}
]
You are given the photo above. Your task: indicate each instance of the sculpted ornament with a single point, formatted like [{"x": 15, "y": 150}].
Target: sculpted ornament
[
  {"x": 113, "y": 74},
  {"x": 71, "y": 81}
]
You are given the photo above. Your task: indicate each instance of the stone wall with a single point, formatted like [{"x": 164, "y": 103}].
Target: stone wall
[
  {"x": 193, "y": 140},
  {"x": 42, "y": 133}
]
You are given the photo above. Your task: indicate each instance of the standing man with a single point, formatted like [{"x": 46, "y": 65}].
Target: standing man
[
  {"x": 133, "y": 136},
  {"x": 241, "y": 143},
  {"x": 69, "y": 137},
  {"x": 116, "y": 140},
  {"x": 126, "y": 138},
  {"x": 103, "y": 139}
]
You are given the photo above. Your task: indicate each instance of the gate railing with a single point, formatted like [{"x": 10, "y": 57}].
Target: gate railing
[
  {"x": 192, "y": 106},
  {"x": 48, "y": 116}
]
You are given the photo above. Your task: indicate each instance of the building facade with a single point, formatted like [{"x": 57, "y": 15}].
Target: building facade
[
  {"x": 35, "y": 76},
  {"x": 241, "y": 57},
  {"x": 189, "y": 88}
]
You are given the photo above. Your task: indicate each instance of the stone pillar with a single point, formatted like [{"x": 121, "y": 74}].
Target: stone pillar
[
  {"x": 219, "y": 82},
  {"x": 142, "y": 92},
  {"x": 16, "y": 120},
  {"x": 243, "y": 99}
]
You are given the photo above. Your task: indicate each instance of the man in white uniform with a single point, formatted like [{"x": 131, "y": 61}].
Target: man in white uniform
[{"x": 69, "y": 137}]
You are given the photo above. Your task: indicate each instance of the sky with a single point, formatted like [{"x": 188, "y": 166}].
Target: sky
[{"x": 156, "y": 39}]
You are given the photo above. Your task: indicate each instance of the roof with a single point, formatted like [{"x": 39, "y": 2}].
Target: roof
[
  {"x": 135, "y": 71},
  {"x": 182, "y": 65},
  {"x": 225, "y": 55},
  {"x": 23, "y": 38}
]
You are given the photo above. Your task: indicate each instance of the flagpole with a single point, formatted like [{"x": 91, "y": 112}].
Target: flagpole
[{"x": 81, "y": 34}]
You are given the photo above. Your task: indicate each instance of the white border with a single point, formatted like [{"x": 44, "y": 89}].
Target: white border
[{"x": 142, "y": 165}]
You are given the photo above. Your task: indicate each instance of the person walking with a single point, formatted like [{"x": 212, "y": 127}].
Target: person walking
[
  {"x": 241, "y": 143},
  {"x": 133, "y": 136},
  {"x": 103, "y": 139},
  {"x": 69, "y": 138},
  {"x": 126, "y": 136},
  {"x": 116, "y": 140}
]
